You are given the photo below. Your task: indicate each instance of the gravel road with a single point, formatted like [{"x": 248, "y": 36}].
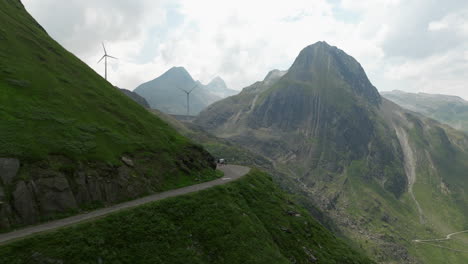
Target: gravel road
[{"x": 231, "y": 173}]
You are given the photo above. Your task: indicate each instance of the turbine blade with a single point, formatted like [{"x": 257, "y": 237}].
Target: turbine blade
[
  {"x": 101, "y": 59},
  {"x": 185, "y": 91},
  {"x": 104, "y": 47},
  {"x": 112, "y": 57},
  {"x": 194, "y": 88}
]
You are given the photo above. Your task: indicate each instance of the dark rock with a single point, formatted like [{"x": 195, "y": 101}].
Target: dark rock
[
  {"x": 8, "y": 169},
  {"x": 5, "y": 210},
  {"x": 54, "y": 195},
  {"x": 5, "y": 213},
  {"x": 291, "y": 213},
  {"x": 82, "y": 195},
  {"x": 25, "y": 204},
  {"x": 2, "y": 195}
]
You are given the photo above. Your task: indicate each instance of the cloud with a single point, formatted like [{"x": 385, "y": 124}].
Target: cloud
[{"x": 409, "y": 45}]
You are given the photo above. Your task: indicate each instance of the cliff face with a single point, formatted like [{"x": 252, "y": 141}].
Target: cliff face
[
  {"x": 32, "y": 192},
  {"x": 368, "y": 163}
]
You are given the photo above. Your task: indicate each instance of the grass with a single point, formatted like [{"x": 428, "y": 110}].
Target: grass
[
  {"x": 51, "y": 102},
  {"x": 385, "y": 215},
  {"x": 243, "y": 222}
]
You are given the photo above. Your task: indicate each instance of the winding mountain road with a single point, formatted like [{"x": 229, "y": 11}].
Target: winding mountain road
[
  {"x": 448, "y": 237},
  {"x": 231, "y": 173}
]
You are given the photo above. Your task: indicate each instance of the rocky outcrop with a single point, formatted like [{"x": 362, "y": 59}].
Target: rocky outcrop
[
  {"x": 9, "y": 167},
  {"x": 54, "y": 195},
  {"x": 24, "y": 204},
  {"x": 135, "y": 97},
  {"x": 59, "y": 186}
]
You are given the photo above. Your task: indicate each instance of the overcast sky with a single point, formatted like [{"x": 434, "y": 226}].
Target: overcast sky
[{"x": 411, "y": 45}]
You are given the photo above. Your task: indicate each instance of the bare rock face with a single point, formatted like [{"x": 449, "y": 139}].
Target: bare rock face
[
  {"x": 58, "y": 185},
  {"x": 5, "y": 210},
  {"x": 24, "y": 203},
  {"x": 2, "y": 195},
  {"x": 8, "y": 169},
  {"x": 54, "y": 195}
]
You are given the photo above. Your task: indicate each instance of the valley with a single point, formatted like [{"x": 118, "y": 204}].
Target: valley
[
  {"x": 337, "y": 149},
  {"x": 311, "y": 164}
]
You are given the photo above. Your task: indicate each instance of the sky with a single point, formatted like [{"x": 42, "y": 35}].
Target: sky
[{"x": 409, "y": 45}]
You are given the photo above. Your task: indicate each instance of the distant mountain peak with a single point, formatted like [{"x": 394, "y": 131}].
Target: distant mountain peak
[
  {"x": 177, "y": 69},
  {"x": 274, "y": 75},
  {"x": 218, "y": 81},
  {"x": 178, "y": 73}
]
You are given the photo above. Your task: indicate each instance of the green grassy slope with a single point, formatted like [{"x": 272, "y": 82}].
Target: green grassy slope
[
  {"x": 248, "y": 221},
  {"x": 447, "y": 109},
  {"x": 51, "y": 102},
  {"x": 69, "y": 130}
]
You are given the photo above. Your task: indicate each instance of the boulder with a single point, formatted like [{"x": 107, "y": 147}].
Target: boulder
[
  {"x": 8, "y": 169},
  {"x": 128, "y": 161}
]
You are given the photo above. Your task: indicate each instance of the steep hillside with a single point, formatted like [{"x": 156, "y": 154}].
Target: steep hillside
[
  {"x": 69, "y": 140},
  {"x": 381, "y": 172},
  {"x": 248, "y": 221},
  {"x": 447, "y": 109},
  {"x": 166, "y": 94}
]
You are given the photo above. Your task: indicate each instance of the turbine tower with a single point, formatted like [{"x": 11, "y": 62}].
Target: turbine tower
[
  {"x": 105, "y": 60},
  {"x": 188, "y": 97}
]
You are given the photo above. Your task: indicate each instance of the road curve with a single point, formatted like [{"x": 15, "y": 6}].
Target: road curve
[
  {"x": 231, "y": 173},
  {"x": 448, "y": 237}
]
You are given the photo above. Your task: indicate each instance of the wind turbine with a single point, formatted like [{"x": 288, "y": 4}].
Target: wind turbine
[
  {"x": 105, "y": 59},
  {"x": 188, "y": 97}
]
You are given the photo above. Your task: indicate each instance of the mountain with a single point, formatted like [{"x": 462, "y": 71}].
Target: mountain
[
  {"x": 135, "y": 97},
  {"x": 447, "y": 109},
  {"x": 219, "y": 88},
  {"x": 385, "y": 175},
  {"x": 69, "y": 140},
  {"x": 166, "y": 94}
]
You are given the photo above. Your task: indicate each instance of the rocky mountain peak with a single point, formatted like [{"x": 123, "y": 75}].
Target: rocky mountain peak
[
  {"x": 323, "y": 63},
  {"x": 178, "y": 73}
]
